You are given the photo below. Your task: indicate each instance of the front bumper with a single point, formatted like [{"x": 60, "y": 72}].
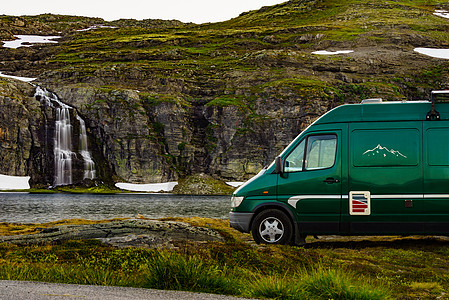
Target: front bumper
[{"x": 240, "y": 221}]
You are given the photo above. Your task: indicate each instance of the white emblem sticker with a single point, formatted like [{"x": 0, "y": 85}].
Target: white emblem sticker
[
  {"x": 383, "y": 151},
  {"x": 359, "y": 203}
]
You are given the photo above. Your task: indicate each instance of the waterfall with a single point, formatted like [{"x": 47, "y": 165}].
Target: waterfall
[
  {"x": 63, "y": 146},
  {"x": 89, "y": 165},
  {"x": 63, "y": 139}
]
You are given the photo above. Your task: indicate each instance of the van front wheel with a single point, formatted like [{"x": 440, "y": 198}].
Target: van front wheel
[{"x": 272, "y": 226}]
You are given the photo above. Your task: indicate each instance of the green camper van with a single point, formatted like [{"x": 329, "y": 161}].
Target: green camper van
[{"x": 374, "y": 168}]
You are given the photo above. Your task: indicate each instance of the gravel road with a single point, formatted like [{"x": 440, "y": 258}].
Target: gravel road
[{"x": 26, "y": 290}]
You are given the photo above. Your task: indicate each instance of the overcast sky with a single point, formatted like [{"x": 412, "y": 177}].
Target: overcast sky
[{"x": 197, "y": 11}]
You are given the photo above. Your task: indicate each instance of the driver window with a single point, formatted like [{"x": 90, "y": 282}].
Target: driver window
[{"x": 320, "y": 154}]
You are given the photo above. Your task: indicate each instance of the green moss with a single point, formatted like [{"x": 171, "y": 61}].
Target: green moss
[
  {"x": 101, "y": 189},
  {"x": 243, "y": 131},
  {"x": 41, "y": 191},
  {"x": 202, "y": 184},
  {"x": 156, "y": 99},
  {"x": 182, "y": 146},
  {"x": 229, "y": 100}
]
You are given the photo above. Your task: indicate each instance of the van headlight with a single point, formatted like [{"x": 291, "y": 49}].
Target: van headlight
[{"x": 236, "y": 201}]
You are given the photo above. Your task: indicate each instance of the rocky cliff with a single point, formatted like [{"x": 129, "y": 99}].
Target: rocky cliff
[{"x": 163, "y": 100}]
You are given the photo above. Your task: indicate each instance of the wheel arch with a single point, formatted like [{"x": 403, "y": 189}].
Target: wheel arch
[{"x": 282, "y": 207}]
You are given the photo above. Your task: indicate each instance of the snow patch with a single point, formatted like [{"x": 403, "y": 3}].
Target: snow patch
[
  {"x": 149, "y": 187},
  {"x": 433, "y": 52},
  {"x": 14, "y": 182},
  {"x": 235, "y": 183},
  {"x": 26, "y": 79},
  {"x": 325, "y": 52},
  {"x": 29, "y": 40},
  {"x": 442, "y": 13}
]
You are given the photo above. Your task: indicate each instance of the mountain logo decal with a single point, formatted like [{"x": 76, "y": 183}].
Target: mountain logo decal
[{"x": 383, "y": 152}]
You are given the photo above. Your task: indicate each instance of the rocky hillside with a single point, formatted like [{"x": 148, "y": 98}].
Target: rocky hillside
[{"x": 163, "y": 99}]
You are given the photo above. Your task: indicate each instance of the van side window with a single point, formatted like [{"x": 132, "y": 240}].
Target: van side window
[
  {"x": 321, "y": 151},
  {"x": 320, "y": 154}
]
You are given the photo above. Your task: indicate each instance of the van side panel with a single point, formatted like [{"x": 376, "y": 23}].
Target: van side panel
[
  {"x": 385, "y": 177},
  {"x": 436, "y": 174}
]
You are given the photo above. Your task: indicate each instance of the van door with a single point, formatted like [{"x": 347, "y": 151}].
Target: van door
[
  {"x": 311, "y": 181},
  {"x": 385, "y": 178},
  {"x": 435, "y": 210}
]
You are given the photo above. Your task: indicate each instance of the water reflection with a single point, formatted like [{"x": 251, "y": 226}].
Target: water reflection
[{"x": 38, "y": 208}]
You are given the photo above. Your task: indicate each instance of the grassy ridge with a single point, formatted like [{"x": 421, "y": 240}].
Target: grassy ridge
[
  {"x": 270, "y": 45},
  {"x": 371, "y": 268}
]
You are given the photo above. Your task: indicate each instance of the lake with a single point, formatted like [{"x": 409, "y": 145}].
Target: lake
[{"x": 39, "y": 208}]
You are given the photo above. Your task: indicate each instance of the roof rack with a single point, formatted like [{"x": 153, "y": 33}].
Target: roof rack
[
  {"x": 441, "y": 96},
  {"x": 372, "y": 100},
  {"x": 437, "y": 97}
]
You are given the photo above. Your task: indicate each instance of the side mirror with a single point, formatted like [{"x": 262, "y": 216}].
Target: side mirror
[{"x": 278, "y": 165}]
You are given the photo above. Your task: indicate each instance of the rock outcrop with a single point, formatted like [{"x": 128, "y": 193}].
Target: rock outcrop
[
  {"x": 23, "y": 135},
  {"x": 135, "y": 232}
]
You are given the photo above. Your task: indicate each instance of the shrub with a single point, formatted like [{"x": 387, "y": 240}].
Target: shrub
[
  {"x": 318, "y": 284},
  {"x": 177, "y": 272}
]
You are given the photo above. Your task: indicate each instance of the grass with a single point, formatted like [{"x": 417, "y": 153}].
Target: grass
[
  {"x": 175, "y": 271},
  {"x": 320, "y": 283},
  {"x": 337, "y": 20},
  {"x": 100, "y": 189},
  {"x": 343, "y": 268},
  {"x": 88, "y": 262}
]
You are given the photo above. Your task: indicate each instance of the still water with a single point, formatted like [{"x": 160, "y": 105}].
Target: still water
[{"x": 39, "y": 208}]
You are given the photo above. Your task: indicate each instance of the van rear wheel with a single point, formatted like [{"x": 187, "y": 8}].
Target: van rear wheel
[{"x": 272, "y": 226}]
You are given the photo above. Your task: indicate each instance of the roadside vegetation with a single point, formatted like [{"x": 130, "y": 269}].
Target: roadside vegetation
[{"x": 352, "y": 268}]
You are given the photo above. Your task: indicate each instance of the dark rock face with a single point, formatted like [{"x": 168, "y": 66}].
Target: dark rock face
[
  {"x": 155, "y": 142},
  {"x": 123, "y": 136},
  {"x": 134, "y": 138},
  {"x": 23, "y": 137}
]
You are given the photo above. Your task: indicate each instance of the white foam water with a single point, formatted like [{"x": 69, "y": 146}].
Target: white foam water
[
  {"x": 63, "y": 152},
  {"x": 89, "y": 165}
]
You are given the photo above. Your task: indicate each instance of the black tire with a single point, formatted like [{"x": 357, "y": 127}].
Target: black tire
[{"x": 272, "y": 226}]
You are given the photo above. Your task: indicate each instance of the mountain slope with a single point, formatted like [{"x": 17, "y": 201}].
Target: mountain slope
[{"x": 163, "y": 99}]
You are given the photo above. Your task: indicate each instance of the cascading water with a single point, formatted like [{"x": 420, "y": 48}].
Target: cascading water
[
  {"x": 63, "y": 140},
  {"x": 63, "y": 146},
  {"x": 89, "y": 165}
]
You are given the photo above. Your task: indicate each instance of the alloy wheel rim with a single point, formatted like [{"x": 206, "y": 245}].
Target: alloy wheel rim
[{"x": 271, "y": 230}]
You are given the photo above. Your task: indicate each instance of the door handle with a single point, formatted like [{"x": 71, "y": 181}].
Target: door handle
[{"x": 331, "y": 180}]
